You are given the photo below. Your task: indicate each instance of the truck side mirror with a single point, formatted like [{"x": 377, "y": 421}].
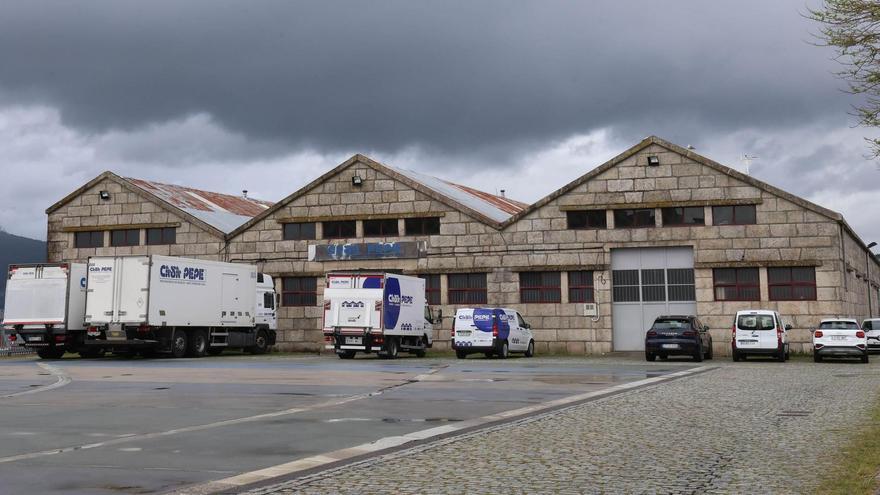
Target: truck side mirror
[
  {"x": 705, "y": 328},
  {"x": 788, "y": 326}
]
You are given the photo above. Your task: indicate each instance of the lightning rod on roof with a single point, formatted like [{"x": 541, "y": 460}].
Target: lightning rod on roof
[
  {"x": 747, "y": 159},
  {"x": 244, "y": 193}
]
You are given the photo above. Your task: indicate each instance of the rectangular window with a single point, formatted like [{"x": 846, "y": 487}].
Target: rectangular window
[
  {"x": 580, "y": 287},
  {"x": 299, "y": 291},
  {"x": 299, "y": 231},
  {"x": 733, "y": 215},
  {"x": 736, "y": 284},
  {"x": 626, "y": 285},
  {"x": 687, "y": 215},
  {"x": 165, "y": 235},
  {"x": 654, "y": 285},
  {"x": 634, "y": 218},
  {"x": 339, "y": 230},
  {"x": 268, "y": 301},
  {"x": 432, "y": 288},
  {"x": 587, "y": 219},
  {"x": 380, "y": 228},
  {"x": 794, "y": 283},
  {"x": 91, "y": 239},
  {"x": 467, "y": 288},
  {"x": 422, "y": 226},
  {"x": 680, "y": 284},
  {"x": 127, "y": 237},
  {"x": 539, "y": 287}
]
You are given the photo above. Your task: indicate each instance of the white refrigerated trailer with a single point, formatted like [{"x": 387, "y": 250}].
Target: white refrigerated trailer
[
  {"x": 183, "y": 306},
  {"x": 376, "y": 312},
  {"x": 45, "y": 305}
]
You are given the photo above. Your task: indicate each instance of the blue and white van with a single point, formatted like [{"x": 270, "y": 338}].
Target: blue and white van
[{"x": 491, "y": 331}]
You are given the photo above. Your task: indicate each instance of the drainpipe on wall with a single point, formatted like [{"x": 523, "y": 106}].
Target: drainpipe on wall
[{"x": 868, "y": 254}]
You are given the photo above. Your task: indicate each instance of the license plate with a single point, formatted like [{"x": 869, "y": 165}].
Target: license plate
[
  {"x": 35, "y": 338},
  {"x": 464, "y": 333},
  {"x": 838, "y": 337},
  {"x": 670, "y": 346},
  {"x": 353, "y": 340},
  {"x": 747, "y": 342}
]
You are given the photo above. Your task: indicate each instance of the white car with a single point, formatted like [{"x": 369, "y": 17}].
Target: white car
[
  {"x": 872, "y": 333},
  {"x": 759, "y": 332},
  {"x": 491, "y": 331},
  {"x": 839, "y": 337}
]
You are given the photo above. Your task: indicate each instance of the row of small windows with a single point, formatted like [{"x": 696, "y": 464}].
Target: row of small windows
[
  {"x": 345, "y": 229},
  {"x": 783, "y": 283},
  {"x": 125, "y": 237},
  {"x": 465, "y": 288},
  {"x": 674, "y": 216}
]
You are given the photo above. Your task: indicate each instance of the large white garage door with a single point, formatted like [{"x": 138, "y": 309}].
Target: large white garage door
[{"x": 647, "y": 283}]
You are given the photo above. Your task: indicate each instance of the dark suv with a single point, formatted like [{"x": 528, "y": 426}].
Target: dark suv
[{"x": 678, "y": 335}]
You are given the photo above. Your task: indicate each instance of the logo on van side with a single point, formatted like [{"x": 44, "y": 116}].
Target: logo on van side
[
  {"x": 393, "y": 299},
  {"x": 186, "y": 275}
]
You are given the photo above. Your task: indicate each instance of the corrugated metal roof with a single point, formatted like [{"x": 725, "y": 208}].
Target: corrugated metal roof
[
  {"x": 222, "y": 211},
  {"x": 498, "y": 208}
]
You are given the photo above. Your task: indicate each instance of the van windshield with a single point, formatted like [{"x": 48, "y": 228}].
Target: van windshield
[
  {"x": 756, "y": 322},
  {"x": 839, "y": 325},
  {"x": 670, "y": 324}
]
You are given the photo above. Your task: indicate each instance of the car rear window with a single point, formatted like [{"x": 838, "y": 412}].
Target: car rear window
[
  {"x": 839, "y": 325},
  {"x": 670, "y": 324},
  {"x": 756, "y": 322}
]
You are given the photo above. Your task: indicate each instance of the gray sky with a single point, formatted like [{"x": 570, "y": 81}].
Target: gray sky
[{"x": 523, "y": 96}]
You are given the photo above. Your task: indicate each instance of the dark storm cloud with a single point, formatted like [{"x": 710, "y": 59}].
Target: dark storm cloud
[{"x": 452, "y": 77}]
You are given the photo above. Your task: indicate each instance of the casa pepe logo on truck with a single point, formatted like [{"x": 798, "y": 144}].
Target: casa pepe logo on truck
[{"x": 184, "y": 275}]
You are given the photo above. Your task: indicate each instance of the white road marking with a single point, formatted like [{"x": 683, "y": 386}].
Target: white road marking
[
  {"x": 63, "y": 379},
  {"x": 130, "y": 449},
  {"x": 234, "y": 482}
]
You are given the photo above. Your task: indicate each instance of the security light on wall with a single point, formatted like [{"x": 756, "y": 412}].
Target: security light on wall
[
  {"x": 105, "y": 195},
  {"x": 653, "y": 161},
  {"x": 357, "y": 181}
]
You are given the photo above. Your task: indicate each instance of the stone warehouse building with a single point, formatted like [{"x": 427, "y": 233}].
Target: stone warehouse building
[{"x": 657, "y": 229}]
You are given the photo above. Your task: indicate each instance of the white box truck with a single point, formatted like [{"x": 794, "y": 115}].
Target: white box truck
[
  {"x": 184, "y": 306},
  {"x": 45, "y": 306},
  {"x": 376, "y": 312}
]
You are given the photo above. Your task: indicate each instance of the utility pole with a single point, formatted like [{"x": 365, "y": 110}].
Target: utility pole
[{"x": 868, "y": 254}]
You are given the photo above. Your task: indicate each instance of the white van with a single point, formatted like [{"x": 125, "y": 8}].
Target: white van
[
  {"x": 491, "y": 331},
  {"x": 759, "y": 332},
  {"x": 872, "y": 333}
]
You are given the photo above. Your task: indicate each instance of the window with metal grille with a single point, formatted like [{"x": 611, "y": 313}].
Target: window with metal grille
[
  {"x": 736, "y": 284},
  {"x": 688, "y": 215},
  {"x": 580, "y": 287},
  {"x": 796, "y": 283},
  {"x": 432, "y": 288},
  {"x": 467, "y": 288},
  {"x": 342, "y": 229},
  {"x": 299, "y": 231},
  {"x": 734, "y": 215},
  {"x": 654, "y": 285},
  {"x": 165, "y": 235},
  {"x": 626, "y": 285},
  {"x": 422, "y": 226},
  {"x": 299, "y": 291},
  {"x": 680, "y": 284},
  {"x": 127, "y": 237},
  {"x": 380, "y": 228},
  {"x": 90, "y": 239},
  {"x": 587, "y": 219},
  {"x": 634, "y": 218},
  {"x": 539, "y": 287}
]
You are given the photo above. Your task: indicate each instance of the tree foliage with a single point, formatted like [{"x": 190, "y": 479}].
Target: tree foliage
[{"x": 852, "y": 28}]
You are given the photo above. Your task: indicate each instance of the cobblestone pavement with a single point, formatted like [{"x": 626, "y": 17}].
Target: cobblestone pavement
[{"x": 755, "y": 427}]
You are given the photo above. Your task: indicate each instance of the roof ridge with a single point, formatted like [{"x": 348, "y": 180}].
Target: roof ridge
[{"x": 188, "y": 188}]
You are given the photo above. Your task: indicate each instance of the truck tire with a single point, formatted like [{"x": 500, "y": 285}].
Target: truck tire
[
  {"x": 346, "y": 354},
  {"x": 92, "y": 353},
  {"x": 503, "y": 350},
  {"x": 198, "y": 344},
  {"x": 391, "y": 349},
  {"x": 261, "y": 343},
  {"x": 50, "y": 353},
  {"x": 178, "y": 343},
  {"x": 214, "y": 351},
  {"x": 530, "y": 350},
  {"x": 460, "y": 354}
]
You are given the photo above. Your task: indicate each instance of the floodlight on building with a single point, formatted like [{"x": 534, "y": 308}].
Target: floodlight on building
[
  {"x": 653, "y": 161},
  {"x": 357, "y": 181},
  {"x": 104, "y": 195}
]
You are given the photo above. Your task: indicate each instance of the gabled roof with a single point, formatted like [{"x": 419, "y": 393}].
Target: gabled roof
[
  {"x": 488, "y": 208},
  {"x": 220, "y": 213}
]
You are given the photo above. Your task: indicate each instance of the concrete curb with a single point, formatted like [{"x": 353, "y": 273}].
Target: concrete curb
[{"x": 329, "y": 460}]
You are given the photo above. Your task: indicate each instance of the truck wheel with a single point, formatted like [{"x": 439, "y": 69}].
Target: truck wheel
[
  {"x": 261, "y": 343},
  {"x": 215, "y": 351},
  {"x": 530, "y": 350},
  {"x": 391, "y": 349},
  {"x": 503, "y": 351},
  {"x": 50, "y": 353},
  {"x": 460, "y": 354},
  {"x": 92, "y": 353},
  {"x": 198, "y": 344},
  {"x": 346, "y": 354},
  {"x": 178, "y": 343}
]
